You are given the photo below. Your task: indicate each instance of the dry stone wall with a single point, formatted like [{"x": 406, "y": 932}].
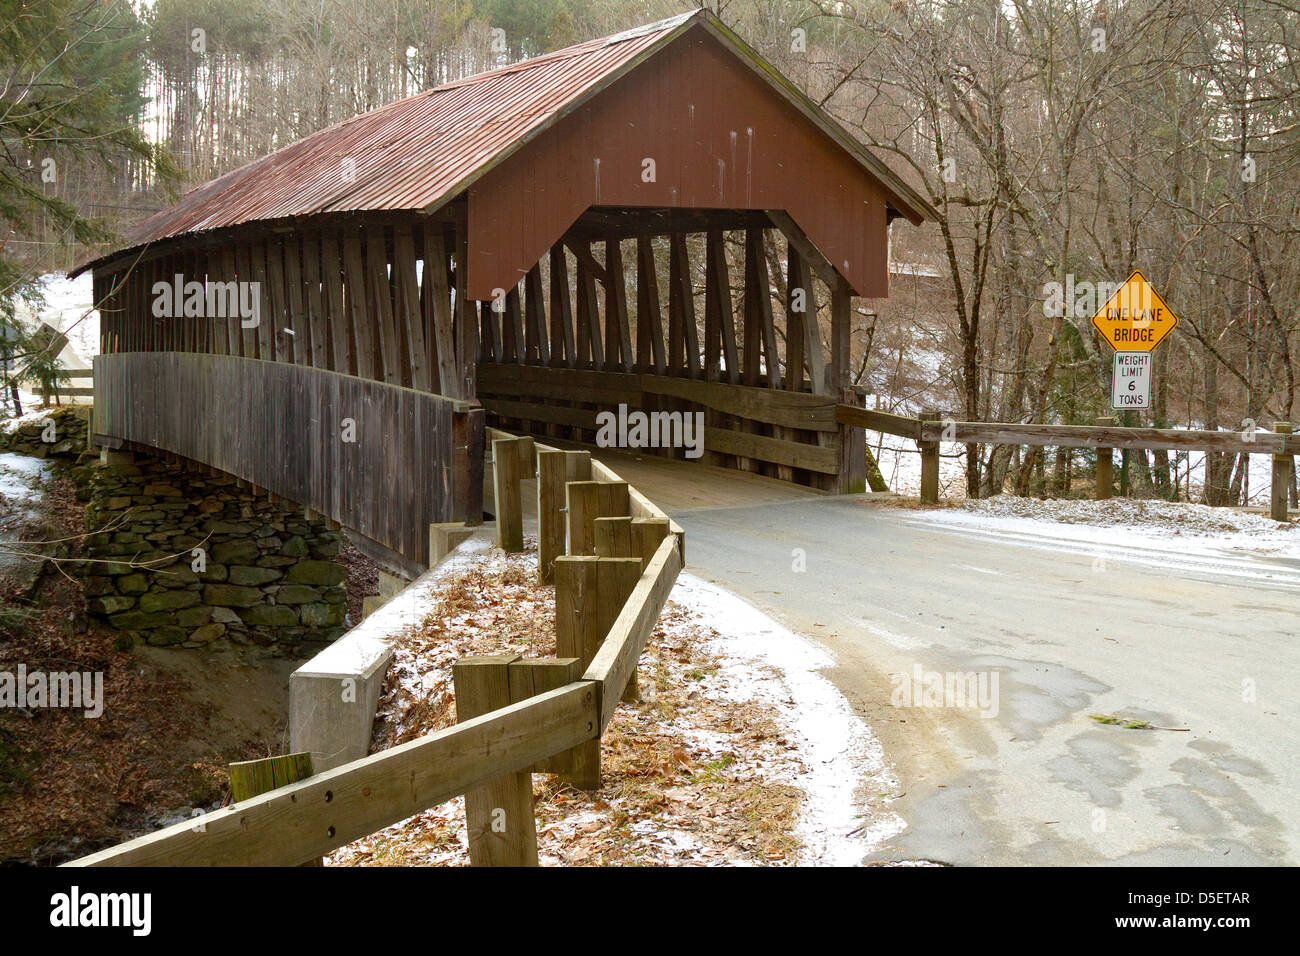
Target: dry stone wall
[{"x": 183, "y": 557}]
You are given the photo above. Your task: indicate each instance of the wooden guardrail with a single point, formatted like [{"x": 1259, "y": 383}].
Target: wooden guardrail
[
  {"x": 929, "y": 430},
  {"x": 516, "y": 716}
]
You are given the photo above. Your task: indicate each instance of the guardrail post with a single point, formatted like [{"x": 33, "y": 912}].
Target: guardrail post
[
  {"x": 499, "y": 817},
  {"x": 251, "y": 778},
  {"x": 589, "y": 594},
  {"x": 613, "y": 537},
  {"x": 551, "y": 477},
  {"x": 467, "y": 463},
  {"x": 507, "y": 471},
  {"x": 929, "y": 463},
  {"x": 1282, "y": 465},
  {"x": 853, "y": 448},
  {"x": 587, "y": 501},
  {"x": 1105, "y": 463}
]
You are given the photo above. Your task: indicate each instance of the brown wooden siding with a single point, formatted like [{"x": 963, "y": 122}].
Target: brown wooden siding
[{"x": 279, "y": 426}]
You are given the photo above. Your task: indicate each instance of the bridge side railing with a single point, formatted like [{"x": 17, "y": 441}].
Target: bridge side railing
[
  {"x": 349, "y": 448},
  {"x": 929, "y": 430}
]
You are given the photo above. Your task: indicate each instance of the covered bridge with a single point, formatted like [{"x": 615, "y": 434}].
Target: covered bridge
[{"x": 334, "y": 322}]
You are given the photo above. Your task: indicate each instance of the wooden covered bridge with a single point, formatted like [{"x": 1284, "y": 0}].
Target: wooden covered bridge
[{"x": 338, "y": 321}]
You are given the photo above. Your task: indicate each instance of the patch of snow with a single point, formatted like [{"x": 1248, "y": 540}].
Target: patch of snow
[
  {"x": 765, "y": 661},
  {"x": 22, "y": 476},
  {"x": 1164, "y": 534}
]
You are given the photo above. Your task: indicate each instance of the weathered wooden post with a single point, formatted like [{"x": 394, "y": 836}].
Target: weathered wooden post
[
  {"x": 251, "y": 778},
  {"x": 551, "y": 476},
  {"x": 1281, "y": 475},
  {"x": 498, "y": 815},
  {"x": 1105, "y": 463},
  {"x": 587, "y": 501},
  {"x": 613, "y": 537},
  {"x": 507, "y": 471},
  {"x": 853, "y": 447},
  {"x": 929, "y": 463},
  {"x": 589, "y": 594},
  {"x": 467, "y": 463}
]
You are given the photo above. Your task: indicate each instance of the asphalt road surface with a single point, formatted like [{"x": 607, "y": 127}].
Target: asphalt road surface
[{"x": 1206, "y": 648}]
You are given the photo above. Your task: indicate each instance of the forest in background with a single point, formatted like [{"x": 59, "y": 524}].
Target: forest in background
[{"x": 1056, "y": 139}]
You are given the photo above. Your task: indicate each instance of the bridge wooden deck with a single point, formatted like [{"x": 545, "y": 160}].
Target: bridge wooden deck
[{"x": 678, "y": 487}]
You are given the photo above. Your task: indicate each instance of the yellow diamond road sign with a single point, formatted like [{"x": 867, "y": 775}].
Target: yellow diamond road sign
[{"x": 1135, "y": 318}]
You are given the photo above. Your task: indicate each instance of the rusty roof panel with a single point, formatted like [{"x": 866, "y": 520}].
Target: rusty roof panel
[
  {"x": 421, "y": 152},
  {"x": 410, "y": 154}
]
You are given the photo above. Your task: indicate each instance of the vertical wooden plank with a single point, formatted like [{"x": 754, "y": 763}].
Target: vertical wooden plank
[
  {"x": 537, "y": 348},
  {"x": 234, "y": 334},
  {"x": 490, "y": 345},
  {"x": 590, "y": 346},
  {"x": 298, "y": 320},
  {"x": 841, "y": 326},
  {"x": 467, "y": 344},
  {"x": 512, "y": 328},
  {"x": 577, "y": 632},
  {"x": 753, "y": 291},
  {"x": 796, "y": 312},
  {"x": 343, "y": 354},
  {"x": 649, "y": 317},
  {"x": 367, "y": 359},
  {"x": 682, "y": 308},
  {"x": 618, "y": 330},
  {"x": 282, "y": 331},
  {"x": 564, "y": 351},
  {"x": 379, "y": 290},
  {"x": 725, "y": 313},
  {"x": 317, "y": 314},
  {"x": 929, "y": 463},
  {"x": 1105, "y": 464},
  {"x": 437, "y": 308},
  {"x": 415, "y": 353}
]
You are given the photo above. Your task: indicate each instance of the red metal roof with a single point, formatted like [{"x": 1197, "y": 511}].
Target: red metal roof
[{"x": 420, "y": 152}]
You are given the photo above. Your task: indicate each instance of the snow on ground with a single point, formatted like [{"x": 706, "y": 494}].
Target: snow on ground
[
  {"x": 69, "y": 307},
  {"x": 900, "y": 464},
  {"x": 21, "y": 477},
  {"x": 1156, "y": 526},
  {"x": 767, "y": 662}
]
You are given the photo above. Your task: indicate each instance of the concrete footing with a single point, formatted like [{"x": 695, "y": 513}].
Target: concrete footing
[{"x": 333, "y": 696}]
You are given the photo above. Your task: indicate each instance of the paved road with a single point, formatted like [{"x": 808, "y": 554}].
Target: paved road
[{"x": 1070, "y": 630}]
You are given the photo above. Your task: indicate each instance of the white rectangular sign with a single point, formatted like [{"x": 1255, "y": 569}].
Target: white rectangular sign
[{"x": 1131, "y": 382}]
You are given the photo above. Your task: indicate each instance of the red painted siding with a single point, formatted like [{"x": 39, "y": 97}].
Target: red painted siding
[{"x": 720, "y": 138}]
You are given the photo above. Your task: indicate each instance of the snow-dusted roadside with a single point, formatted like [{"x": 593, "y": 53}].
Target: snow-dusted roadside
[
  {"x": 1150, "y": 525},
  {"x": 843, "y": 768},
  {"x": 739, "y": 752},
  {"x": 900, "y": 466}
]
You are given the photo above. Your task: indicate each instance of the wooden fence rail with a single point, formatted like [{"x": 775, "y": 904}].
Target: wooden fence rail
[{"x": 929, "y": 430}]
